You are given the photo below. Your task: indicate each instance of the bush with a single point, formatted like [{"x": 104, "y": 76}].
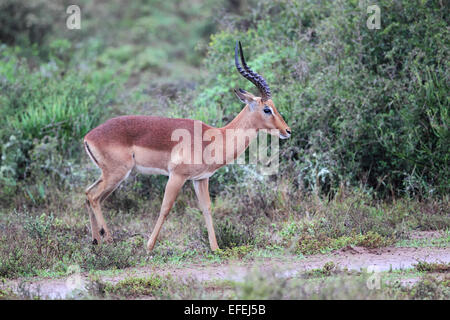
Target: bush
[
  {"x": 25, "y": 22},
  {"x": 133, "y": 287},
  {"x": 430, "y": 288},
  {"x": 40, "y": 243},
  {"x": 111, "y": 256},
  {"x": 229, "y": 234},
  {"x": 366, "y": 107},
  {"x": 45, "y": 118}
]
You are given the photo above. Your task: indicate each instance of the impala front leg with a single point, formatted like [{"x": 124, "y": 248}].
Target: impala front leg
[
  {"x": 173, "y": 187},
  {"x": 201, "y": 189}
]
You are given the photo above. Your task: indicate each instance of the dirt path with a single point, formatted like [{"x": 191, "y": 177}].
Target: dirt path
[{"x": 352, "y": 258}]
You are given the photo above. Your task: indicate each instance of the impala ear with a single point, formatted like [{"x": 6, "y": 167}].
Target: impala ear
[{"x": 246, "y": 97}]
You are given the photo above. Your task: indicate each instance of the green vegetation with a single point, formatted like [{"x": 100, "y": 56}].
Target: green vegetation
[
  {"x": 367, "y": 163},
  {"x": 43, "y": 244},
  {"x": 136, "y": 287},
  {"x": 309, "y": 244},
  {"x": 366, "y": 107},
  {"x": 259, "y": 287},
  {"x": 432, "y": 267},
  {"x": 327, "y": 270},
  {"x": 442, "y": 241}
]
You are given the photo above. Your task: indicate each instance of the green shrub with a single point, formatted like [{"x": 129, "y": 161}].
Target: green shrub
[
  {"x": 234, "y": 252},
  {"x": 25, "y": 22},
  {"x": 424, "y": 266},
  {"x": 366, "y": 107},
  {"x": 44, "y": 119},
  {"x": 328, "y": 269},
  {"x": 133, "y": 287},
  {"x": 430, "y": 288},
  {"x": 111, "y": 256},
  {"x": 38, "y": 243},
  {"x": 229, "y": 234}
]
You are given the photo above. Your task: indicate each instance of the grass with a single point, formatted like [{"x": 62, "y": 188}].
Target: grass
[
  {"x": 366, "y": 165},
  {"x": 328, "y": 282},
  {"x": 338, "y": 286},
  {"x": 238, "y": 252},
  {"x": 428, "y": 288},
  {"x": 438, "y": 242},
  {"x": 134, "y": 287},
  {"x": 157, "y": 287},
  {"x": 327, "y": 270},
  {"x": 37, "y": 242},
  {"x": 424, "y": 266},
  {"x": 308, "y": 244}
]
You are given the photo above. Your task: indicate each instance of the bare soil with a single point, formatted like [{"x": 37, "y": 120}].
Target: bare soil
[{"x": 351, "y": 258}]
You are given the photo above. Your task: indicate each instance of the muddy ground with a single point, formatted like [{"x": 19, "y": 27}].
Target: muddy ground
[{"x": 287, "y": 266}]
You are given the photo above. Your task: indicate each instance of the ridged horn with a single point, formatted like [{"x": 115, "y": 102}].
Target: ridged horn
[{"x": 250, "y": 75}]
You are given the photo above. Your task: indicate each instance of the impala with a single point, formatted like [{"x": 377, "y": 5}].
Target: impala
[{"x": 148, "y": 144}]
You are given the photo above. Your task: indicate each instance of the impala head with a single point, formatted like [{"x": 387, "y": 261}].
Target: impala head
[{"x": 263, "y": 111}]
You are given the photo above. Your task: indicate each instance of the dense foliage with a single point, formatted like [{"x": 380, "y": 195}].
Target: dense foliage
[
  {"x": 367, "y": 107},
  {"x": 57, "y": 84},
  {"x": 367, "y": 164}
]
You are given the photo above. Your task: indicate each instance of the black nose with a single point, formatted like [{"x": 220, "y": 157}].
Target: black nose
[{"x": 288, "y": 131}]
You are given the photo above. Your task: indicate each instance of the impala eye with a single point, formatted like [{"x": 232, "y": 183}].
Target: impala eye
[{"x": 267, "y": 110}]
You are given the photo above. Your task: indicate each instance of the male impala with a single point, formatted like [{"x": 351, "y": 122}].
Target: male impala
[{"x": 147, "y": 143}]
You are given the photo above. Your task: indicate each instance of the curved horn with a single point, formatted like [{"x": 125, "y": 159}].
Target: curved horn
[{"x": 250, "y": 75}]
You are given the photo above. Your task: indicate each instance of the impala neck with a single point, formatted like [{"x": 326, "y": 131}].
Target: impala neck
[{"x": 243, "y": 121}]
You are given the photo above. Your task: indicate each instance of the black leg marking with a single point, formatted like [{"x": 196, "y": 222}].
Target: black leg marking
[
  {"x": 102, "y": 232},
  {"x": 95, "y": 242},
  {"x": 90, "y": 153}
]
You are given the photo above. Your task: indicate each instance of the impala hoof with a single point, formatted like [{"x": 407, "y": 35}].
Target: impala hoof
[{"x": 150, "y": 246}]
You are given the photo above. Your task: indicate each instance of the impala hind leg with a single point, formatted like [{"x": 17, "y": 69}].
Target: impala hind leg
[
  {"x": 173, "y": 187},
  {"x": 96, "y": 194},
  {"x": 94, "y": 225},
  {"x": 202, "y": 192}
]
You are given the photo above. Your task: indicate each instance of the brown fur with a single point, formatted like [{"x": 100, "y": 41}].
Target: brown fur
[{"x": 123, "y": 143}]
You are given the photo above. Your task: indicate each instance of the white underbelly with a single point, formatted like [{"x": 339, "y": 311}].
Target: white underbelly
[
  {"x": 203, "y": 175},
  {"x": 150, "y": 170}
]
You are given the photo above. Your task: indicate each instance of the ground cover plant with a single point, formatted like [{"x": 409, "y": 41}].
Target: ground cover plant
[{"x": 367, "y": 165}]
